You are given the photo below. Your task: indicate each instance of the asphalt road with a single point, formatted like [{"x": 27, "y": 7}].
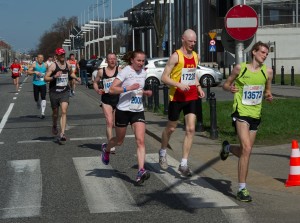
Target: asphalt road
[{"x": 41, "y": 181}]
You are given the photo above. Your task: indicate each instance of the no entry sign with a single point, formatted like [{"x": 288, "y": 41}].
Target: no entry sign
[{"x": 241, "y": 22}]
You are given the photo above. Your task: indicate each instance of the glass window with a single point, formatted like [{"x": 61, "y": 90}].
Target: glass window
[{"x": 160, "y": 63}]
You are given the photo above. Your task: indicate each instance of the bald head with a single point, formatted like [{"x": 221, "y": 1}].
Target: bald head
[
  {"x": 189, "y": 33},
  {"x": 188, "y": 39}
]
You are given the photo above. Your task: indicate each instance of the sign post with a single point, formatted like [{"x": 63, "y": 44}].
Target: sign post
[
  {"x": 212, "y": 44},
  {"x": 241, "y": 23}
]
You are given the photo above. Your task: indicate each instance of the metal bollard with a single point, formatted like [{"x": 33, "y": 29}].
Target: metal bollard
[
  {"x": 274, "y": 74},
  {"x": 166, "y": 98},
  {"x": 292, "y": 76},
  {"x": 150, "y": 99},
  {"x": 282, "y": 75},
  {"x": 155, "y": 94},
  {"x": 199, "y": 114},
  {"x": 224, "y": 74},
  {"x": 208, "y": 88},
  {"x": 213, "y": 116}
]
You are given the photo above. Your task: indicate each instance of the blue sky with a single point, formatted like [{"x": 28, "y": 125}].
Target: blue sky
[{"x": 23, "y": 22}]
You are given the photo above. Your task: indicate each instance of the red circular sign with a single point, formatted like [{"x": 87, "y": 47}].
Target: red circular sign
[
  {"x": 212, "y": 42},
  {"x": 241, "y": 22}
]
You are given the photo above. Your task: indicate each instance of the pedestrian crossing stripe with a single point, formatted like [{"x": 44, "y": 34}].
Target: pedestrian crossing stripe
[
  {"x": 194, "y": 192},
  {"x": 103, "y": 190},
  {"x": 27, "y": 182}
]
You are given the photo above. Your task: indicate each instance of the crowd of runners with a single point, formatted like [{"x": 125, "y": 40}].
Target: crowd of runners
[{"x": 122, "y": 92}]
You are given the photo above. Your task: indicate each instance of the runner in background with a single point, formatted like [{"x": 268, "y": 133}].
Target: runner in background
[
  {"x": 16, "y": 70},
  {"x": 74, "y": 69},
  {"x": 38, "y": 70}
]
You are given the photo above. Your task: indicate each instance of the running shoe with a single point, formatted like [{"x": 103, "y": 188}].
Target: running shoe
[
  {"x": 42, "y": 116},
  {"x": 54, "y": 130},
  {"x": 104, "y": 154},
  {"x": 62, "y": 139},
  {"x": 163, "y": 162},
  {"x": 243, "y": 195},
  {"x": 223, "y": 154},
  {"x": 185, "y": 171},
  {"x": 142, "y": 176},
  {"x": 113, "y": 150}
]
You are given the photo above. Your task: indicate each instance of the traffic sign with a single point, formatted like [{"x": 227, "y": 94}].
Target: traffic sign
[
  {"x": 212, "y": 48},
  {"x": 241, "y": 22},
  {"x": 212, "y": 42},
  {"x": 212, "y": 35}
]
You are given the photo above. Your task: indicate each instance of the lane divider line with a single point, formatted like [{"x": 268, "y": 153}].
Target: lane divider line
[{"x": 5, "y": 117}]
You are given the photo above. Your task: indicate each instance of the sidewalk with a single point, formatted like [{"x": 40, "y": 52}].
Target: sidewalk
[{"x": 204, "y": 157}]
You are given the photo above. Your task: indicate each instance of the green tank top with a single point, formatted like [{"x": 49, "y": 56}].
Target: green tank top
[{"x": 251, "y": 85}]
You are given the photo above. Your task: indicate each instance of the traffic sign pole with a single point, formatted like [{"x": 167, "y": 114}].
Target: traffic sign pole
[{"x": 239, "y": 45}]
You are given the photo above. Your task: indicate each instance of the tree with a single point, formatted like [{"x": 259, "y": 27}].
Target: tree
[
  {"x": 54, "y": 38},
  {"x": 159, "y": 22}
]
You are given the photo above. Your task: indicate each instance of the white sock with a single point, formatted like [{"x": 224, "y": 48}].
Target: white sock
[
  {"x": 242, "y": 186},
  {"x": 43, "y": 106},
  {"x": 162, "y": 152},
  {"x": 183, "y": 162}
]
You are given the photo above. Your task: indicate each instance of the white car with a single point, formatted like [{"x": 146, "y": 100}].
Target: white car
[{"x": 155, "y": 67}]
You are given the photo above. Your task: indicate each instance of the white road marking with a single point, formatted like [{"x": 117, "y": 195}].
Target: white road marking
[
  {"x": 1, "y": 143},
  {"x": 237, "y": 215},
  {"x": 35, "y": 141},
  {"x": 14, "y": 98},
  {"x": 5, "y": 117},
  {"x": 71, "y": 139},
  {"x": 25, "y": 194},
  {"x": 104, "y": 190},
  {"x": 93, "y": 138},
  {"x": 194, "y": 192}
]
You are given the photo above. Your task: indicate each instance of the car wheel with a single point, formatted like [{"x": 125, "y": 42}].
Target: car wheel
[
  {"x": 152, "y": 80},
  {"x": 207, "y": 79}
]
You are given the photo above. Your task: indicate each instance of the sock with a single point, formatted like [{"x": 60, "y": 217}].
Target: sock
[
  {"x": 43, "y": 106},
  {"x": 183, "y": 162},
  {"x": 242, "y": 186},
  {"x": 227, "y": 148},
  {"x": 162, "y": 152}
]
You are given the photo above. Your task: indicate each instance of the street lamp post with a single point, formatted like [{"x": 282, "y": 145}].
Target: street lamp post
[{"x": 112, "y": 36}]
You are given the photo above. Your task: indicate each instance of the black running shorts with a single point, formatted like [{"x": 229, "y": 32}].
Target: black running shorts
[
  {"x": 175, "y": 107},
  {"x": 123, "y": 118}
]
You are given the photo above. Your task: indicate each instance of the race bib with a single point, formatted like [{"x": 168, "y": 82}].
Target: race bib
[
  {"x": 252, "y": 94},
  {"x": 15, "y": 70},
  {"x": 40, "y": 78},
  {"x": 136, "y": 102},
  {"x": 188, "y": 76},
  {"x": 62, "y": 81},
  {"x": 107, "y": 83},
  {"x": 73, "y": 67}
]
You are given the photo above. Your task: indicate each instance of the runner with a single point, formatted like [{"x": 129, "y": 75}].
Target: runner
[
  {"x": 185, "y": 90},
  {"x": 58, "y": 75},
  {"x": 49, "y": 61},
  {"x": 249, "y": 82},
  {"x": 38, "y": 70},
  {"x": 74, "y": 69},
  {"x": 16, "y": 70},
  {"x": 109, "y": 102},
  {"x": 129, "y": 83}
]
